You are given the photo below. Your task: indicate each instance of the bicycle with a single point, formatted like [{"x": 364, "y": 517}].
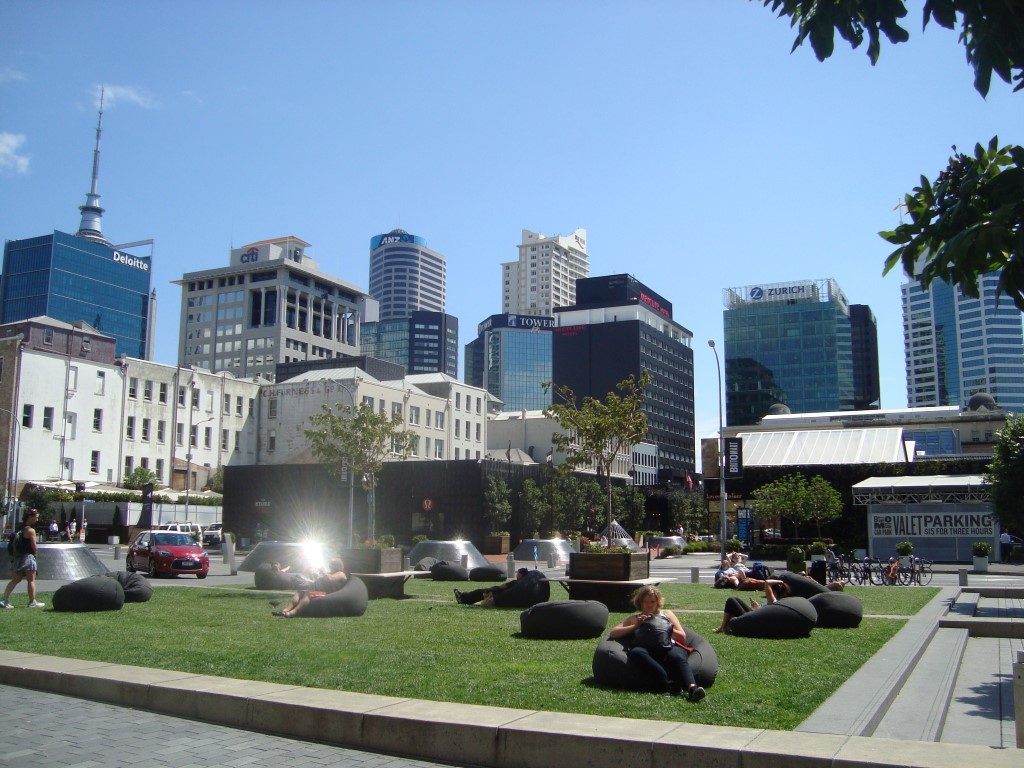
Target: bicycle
[
  {"x": 922, "y": 569},
  {"x": 856, "y": 571}
]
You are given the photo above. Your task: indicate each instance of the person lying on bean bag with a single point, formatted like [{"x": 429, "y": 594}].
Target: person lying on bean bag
[
  {"x": 564, "y": 620},
  {"x": 735, "y": 607},
  {"x": 323, "y": 585},
  {"x": 528, "y": 588}
]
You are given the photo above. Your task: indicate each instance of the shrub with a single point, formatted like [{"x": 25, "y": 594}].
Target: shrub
[
  {"x": 696, "y": 546},
  {"x": 817, "y": 548},
  {"x": 733, "y": 545},
  {"x": 671, "y": 550},
  {"x": 981, "y": 549},
  {"x": 419, "y": 537},
  {"x": 905, "y": 548}
]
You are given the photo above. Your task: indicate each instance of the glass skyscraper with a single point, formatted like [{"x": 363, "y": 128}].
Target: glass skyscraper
[
  {"x": 511, "y": 359},
  {"x": 956, "y": 346},
  {"x": 423, "y": 342},
  {"x": 405, "y": 275},
  {"x": 790, "y": 343}
]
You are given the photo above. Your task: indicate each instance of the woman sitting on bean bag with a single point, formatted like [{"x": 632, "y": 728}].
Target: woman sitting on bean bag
[
  {"x": 323, "y": 585},
  {"x": 658, "y": 643}
]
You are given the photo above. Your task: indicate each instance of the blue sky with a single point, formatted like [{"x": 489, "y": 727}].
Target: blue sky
[{"x": 698, "y": 152}]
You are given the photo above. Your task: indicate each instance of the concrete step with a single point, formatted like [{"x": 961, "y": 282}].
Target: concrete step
[
  {"x": 966, "y": 604},
  {"x": 919, "y": 709},
  {"x": 1001, "y": 607},
  {"x": 981, "y": 708}
]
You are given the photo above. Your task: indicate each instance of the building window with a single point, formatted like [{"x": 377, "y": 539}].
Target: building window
[
  {"x": 238, "y": 406},
  {"x": 458, "y": 400},
  {"x": 223, "y": 439},
  {"x": 147, "y": 390},
  {"x": 48, "y": 336},
  {"x": 179, "y": 433},
  {"x": 456, "y": 453},
  {"x": 129, "y": 431},
  {"x": 195, "y": 397},
  {"x": 439, "y": 449},
  {"x": 438, "y": 420},
  {"x": 272, "y": 408},
  {"x": 238, "y": 439},
  {"x": 161, "y": 430},
  {"x": 26, "y": 416},
  {"x": 478, "y": 405},
  {"x": 227, "y": 404},
  {"x": 207, "y": 437},
  {"x": 193, "y": 436},
  {"x": 272, "y": 440},
  {"x": 414, "y": 414},
  {"x": 396, "y": 410},
  {"x": 160, "y": 470},
  {"x": 163, "y": 392},
  {"x": 129, "y": 464},
  {"x": 94, "y": 462},
  {"x": 97, "y": 419},
  {"x": 252, "y": 405},
  {"x": 145, "y": 430},
  {"x": 48, "y": 418},
  {"x": 133, "y": 388},
  {"x": 181, "y": 396},
  {"x": 478, "y": 432},
  {"x": 458, "y": 433},
  {"x": 72, "y": 378},
  {"x": 101, "y": 382}
]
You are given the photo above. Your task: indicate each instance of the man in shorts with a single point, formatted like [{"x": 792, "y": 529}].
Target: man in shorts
[{"x": 24, "y": 564}]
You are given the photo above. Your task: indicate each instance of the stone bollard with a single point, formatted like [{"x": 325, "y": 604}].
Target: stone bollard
[
  {"x": 1018, "y": 697},
  {"x": 510, "y": 566},
  {"x": 695, "y": 575},
  {"x": 962, "y": 576},
  {"x": 230, "y": 554},
  {"x": 227, "y": 548},
  {"x": 552, "y": 559},
  {"x": 465, "y": 561},
  {"x": 117, "y": 552},
  {"x": 406, "y": 563}
]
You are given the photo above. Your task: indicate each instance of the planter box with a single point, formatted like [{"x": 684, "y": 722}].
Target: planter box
[
  {"x": 113, "y": 539},
  {"x": 611, "y": 567},
  {"x": 497, "y": 545},
  {"x": 372, "y": 560},
  {"x": 981, "y": 564}
]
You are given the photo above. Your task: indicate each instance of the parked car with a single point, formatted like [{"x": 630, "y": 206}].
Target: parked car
[
  {"x": 213, "y": 536},
  {"x": 192, "y": 529},
  {"x": 772, "y": 533},
  {"x": 167, "y": 553}
]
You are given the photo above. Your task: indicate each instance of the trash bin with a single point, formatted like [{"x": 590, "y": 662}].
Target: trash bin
[{"x": 817, "y": 571}]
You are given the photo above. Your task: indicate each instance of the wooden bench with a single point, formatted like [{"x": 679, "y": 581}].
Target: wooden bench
[
  {"x": 614, "y": 594},
  {"x": 390, "y": 584}
]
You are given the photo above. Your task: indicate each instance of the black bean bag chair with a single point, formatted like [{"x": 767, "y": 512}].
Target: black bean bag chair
[
  {"x": 789, "y": 618},
  {"x": 95, "y": 593},
  {"x": 445, "y": 571},
  {"x": 426, "y": 564},
  {"x": 136, "y": 588},
  {"x": 838, "y": 610},
  {"x": 350, "y": 600},
  {"x": 802, "y": 586},
  {"x": 265, "y": 577},
  {"x": 487, "y": 573},
  {"x": 564, "y": 620},
  {"x": 612, "y": 667},
  {"x": 533, "y": 588}
]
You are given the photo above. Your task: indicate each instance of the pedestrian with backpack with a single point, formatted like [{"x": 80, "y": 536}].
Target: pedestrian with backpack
[{"x": 22, "y": 548}]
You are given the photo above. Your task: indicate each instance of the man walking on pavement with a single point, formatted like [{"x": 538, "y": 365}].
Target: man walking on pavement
[{"x": 23, "y": 549}]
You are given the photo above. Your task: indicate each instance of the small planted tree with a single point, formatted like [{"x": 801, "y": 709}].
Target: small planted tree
[
  {"x": 786, "y": 497},
  {"x": 1005, "y": 476},
  {"x": 359, "y": 440},
  {"x": 137, "y": 478},
  {"x": 497, "y": 504},
  {"x": 596, "y": 431}
]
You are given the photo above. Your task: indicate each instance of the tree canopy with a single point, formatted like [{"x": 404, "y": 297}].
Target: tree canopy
[
  {"x": 596, "y": 431},
  {"x": 799, "y": 500},
  {"x": 1006, "y": 475}
]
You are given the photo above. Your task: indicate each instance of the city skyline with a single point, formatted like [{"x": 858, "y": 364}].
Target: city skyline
[{"x": 695, "y": 150}]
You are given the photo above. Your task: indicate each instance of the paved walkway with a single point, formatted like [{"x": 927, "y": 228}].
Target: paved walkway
[{"x": 45, "y": 730}]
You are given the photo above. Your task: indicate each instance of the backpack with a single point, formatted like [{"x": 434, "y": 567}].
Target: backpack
[
  {"x": 760, "y": 571},
  {"x": 14, "y": 545}
]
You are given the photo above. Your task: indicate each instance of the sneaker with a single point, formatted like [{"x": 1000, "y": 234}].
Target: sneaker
[
  {"x": 696, "y": 694},
  {"x": 458, "y": 596},
  {"x": 675, "y": 688},
  {"x": 5, "y": 604},
  {"x": 36, "y": 604}
]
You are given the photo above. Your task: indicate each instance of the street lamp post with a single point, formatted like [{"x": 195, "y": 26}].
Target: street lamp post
[
  {"x": 13, "y": 448},
  {"x": 193, "y": 388},
  {"x": 722, "y": 526},
  {"x": 348, "y": 467}
]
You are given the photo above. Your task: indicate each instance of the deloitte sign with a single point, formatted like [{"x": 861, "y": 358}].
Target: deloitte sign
[{"x": 131, "y": 261}]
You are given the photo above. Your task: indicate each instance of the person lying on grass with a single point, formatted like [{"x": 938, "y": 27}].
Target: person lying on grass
[
  {"x": 323, "y": 585},
  {"x": 657, "y": 642}
]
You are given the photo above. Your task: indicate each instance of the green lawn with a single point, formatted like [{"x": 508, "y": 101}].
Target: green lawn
[{"x": 429, "y": 647}]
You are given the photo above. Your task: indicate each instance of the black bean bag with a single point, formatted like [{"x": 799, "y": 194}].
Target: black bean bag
[
  {"x": 612, "y": 667},
  {"x": 487, "y": 573},
  {"x": 95, "y": 593},
  {"x": 789, "y": 618},
  {"x": 445, "y": 571},
  {"x": 564, "y": 620},
  {"x": 265, "y": 577},
  {"x": 426, "y": 564},
  {"x": 136, "y": 588},
  {"x": 802, "y": 586},
  {"x": 838, "y": 610},
  {"x": 350, "y": 600},
  {"x": 533, "y": 588}
]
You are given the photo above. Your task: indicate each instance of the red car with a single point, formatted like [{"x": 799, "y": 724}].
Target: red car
[{"x": 169, "y": 553}]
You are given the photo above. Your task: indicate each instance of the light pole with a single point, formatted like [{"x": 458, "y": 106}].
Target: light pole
[
  {"x": 193, "y": 388},
  {"x": 348, "y": 464},
  {"x": 13, "y": 447},
  {"x": 722, "y": 529}
]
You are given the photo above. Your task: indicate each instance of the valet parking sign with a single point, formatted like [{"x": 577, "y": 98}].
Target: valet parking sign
[{"x": 933, "y": 524}]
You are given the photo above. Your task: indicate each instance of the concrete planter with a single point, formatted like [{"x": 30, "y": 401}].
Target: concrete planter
[
  {"x": 113, "y": 540},
  {"x": 372, "y": 560},
  {"x": 981, "y": 565},
  {"x": 609, "y": 567},
  {"x": 497, "y": 545}
]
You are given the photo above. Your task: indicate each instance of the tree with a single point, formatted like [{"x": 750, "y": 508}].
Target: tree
[
  {"x": 992, "y": 31},
  {"x": 137, "y": 478},
  {"x": 533, "y": 508},
  {"x": 359, "y": 440},
  {"x": 970, "y": 220},
  {"x": 597, "y": 430},
  {"x": 497, "y": 503},
  {"x": 216, "y": 481},
  {"x": 1005, "y": 477},
  {"x": 630, "y": 506},
  {"x": 786, "y": 497},
  {"x": 576, "y": 503},
  {"x": 824, "y": 502},
  {"x": 690, "y": 510}
]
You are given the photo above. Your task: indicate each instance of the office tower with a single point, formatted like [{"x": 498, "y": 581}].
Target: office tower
[
  {"x": 545, "y": 275},
  {"x": 422, "y": 342},
  {"x": 82, "y": 277},
  {"x": 511, "y": 359},
  {"x": 271, "y": 305},
  {"x": 957, "y": 346},
  {"x": 617, "y": 327},
  {"x": 405, "y": 275},
  {"x": 790, "y": 340},
  {"x": 867, "y": 389}
]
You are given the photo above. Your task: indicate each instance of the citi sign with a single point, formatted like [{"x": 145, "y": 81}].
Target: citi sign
[
  {"x": 131, "y": 261},
  {"x": 250, "y": 256}
]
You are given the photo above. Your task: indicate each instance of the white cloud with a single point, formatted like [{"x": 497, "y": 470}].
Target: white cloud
[
  {"x": 10, "y": 159},
  {"x": 8, "y": 75},
  {"x": 115, "y": 94}
]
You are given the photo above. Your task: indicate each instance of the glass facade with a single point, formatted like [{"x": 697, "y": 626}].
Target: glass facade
[
  {"x": 405, "y": 275},
  {"x": 511, "y": 359},
  {"x": 425, "y": 342},
  {"x": 73, "y": 279},
  {"x": 793, "y": 341}
]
